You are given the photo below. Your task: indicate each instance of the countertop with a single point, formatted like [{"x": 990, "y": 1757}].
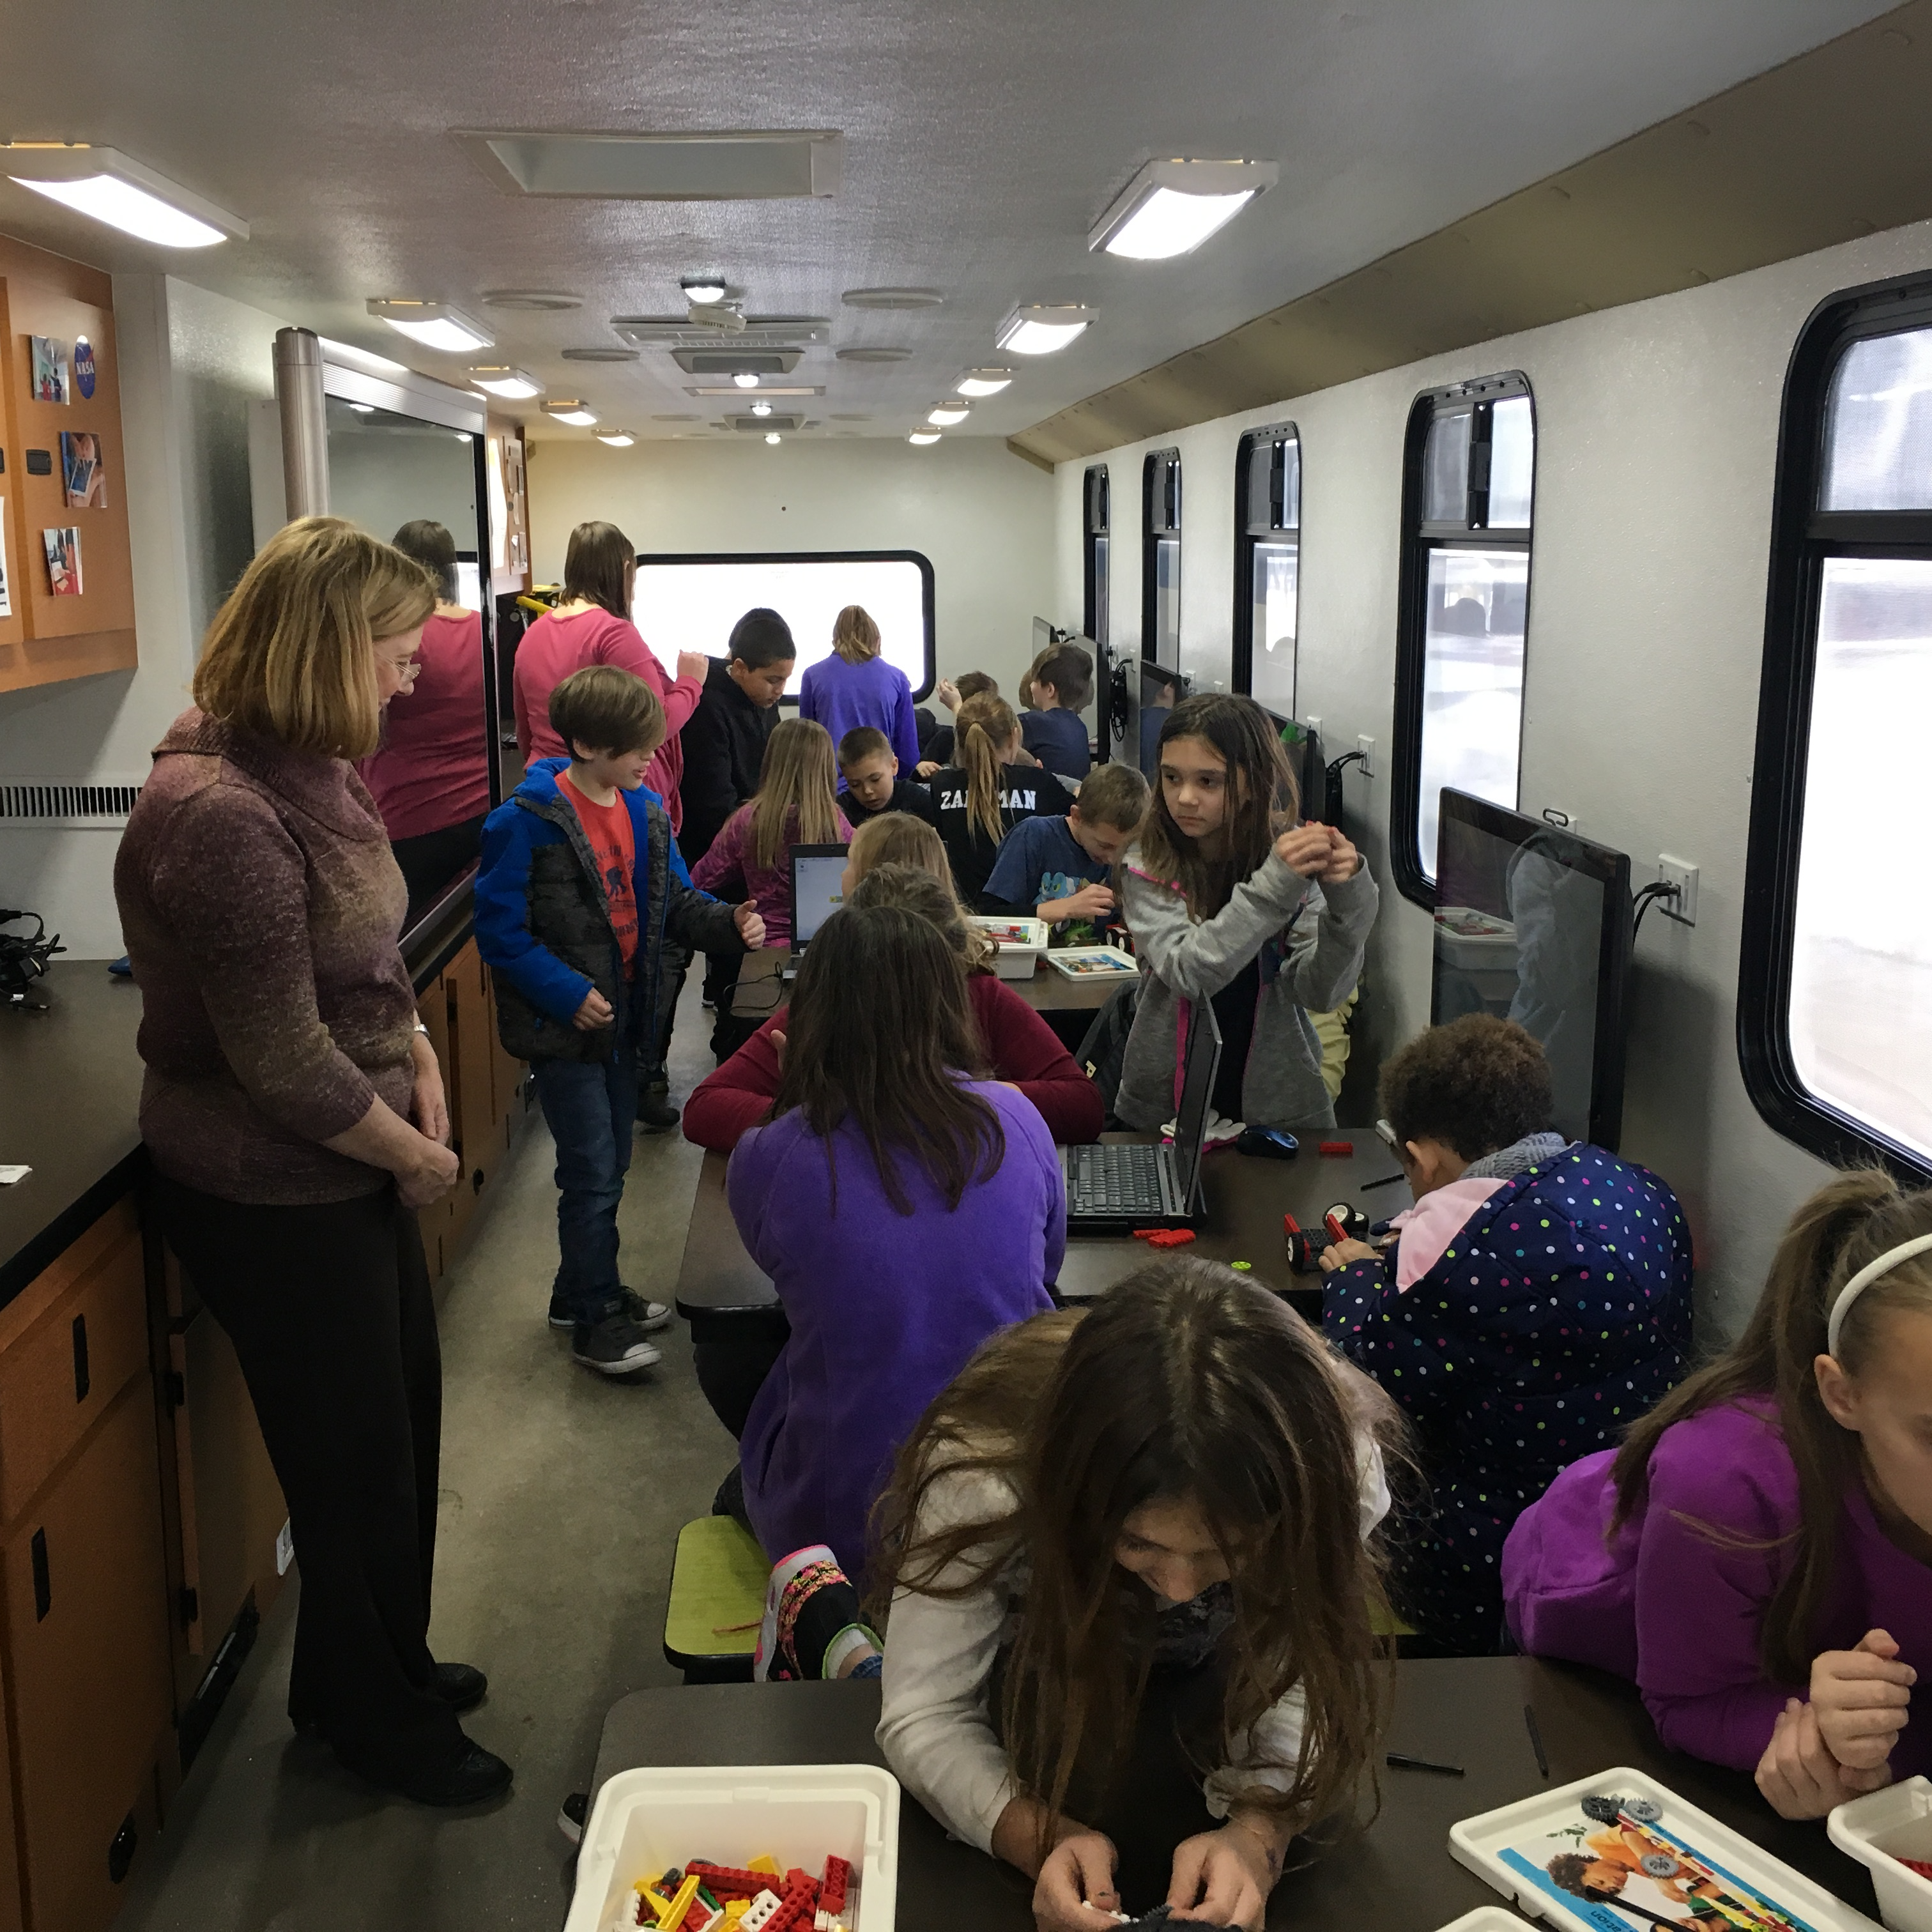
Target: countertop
[{"x": 70, "y": 1092}]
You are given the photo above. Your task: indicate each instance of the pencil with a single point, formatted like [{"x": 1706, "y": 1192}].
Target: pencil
[
  {"x": 1536, "y": 1740},
  {"x": 1401, "y": 1761},
  {"x": 1387, "y": 1181}
]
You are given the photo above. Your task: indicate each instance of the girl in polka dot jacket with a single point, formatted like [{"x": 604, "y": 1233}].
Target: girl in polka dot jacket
[{"x": 1536, "y": 1302}]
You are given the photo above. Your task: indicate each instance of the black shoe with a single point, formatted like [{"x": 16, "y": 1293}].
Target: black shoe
[
  {"x": 650, "y": 1316},
  {"x": 656, "y": 1114},
  {"x": 475, "y": 1776},
  {"x": 614, "y": 1346},
  {"x": 461, "y": 1686},
  {"x": 570, "y": 1815}
]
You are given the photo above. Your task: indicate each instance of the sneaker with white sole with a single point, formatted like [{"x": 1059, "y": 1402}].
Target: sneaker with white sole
[
  {"x": 615, "y": 1346},
  {"x": 650, "y": 1316},
  {"x": 809, "y": 1596}
]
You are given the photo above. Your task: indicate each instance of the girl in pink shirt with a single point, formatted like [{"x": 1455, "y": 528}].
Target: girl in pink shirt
[{"x": 593, "y": 625}]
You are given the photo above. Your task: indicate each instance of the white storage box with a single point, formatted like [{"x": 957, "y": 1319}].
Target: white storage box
[
  {"x": 1476, "y": 942},
  {"x": 1487, "y": 1918},
  {"x": 1619, "y": 1850},
  {"x": 1021, "y": 942},
  {"x": 646, "y": 1821},
  {"x": 1879, "y": 1829},
  {"x": 1093, "y": 962}
]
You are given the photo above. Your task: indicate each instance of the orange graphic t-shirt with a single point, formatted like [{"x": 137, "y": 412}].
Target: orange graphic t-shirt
[{"x": 614, "y": 845}]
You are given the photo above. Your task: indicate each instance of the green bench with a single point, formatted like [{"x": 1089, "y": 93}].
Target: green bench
[{"x": 717, "y": 1601}]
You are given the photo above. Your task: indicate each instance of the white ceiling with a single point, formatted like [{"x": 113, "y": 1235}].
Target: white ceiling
[{"x": 981, "y": 139}]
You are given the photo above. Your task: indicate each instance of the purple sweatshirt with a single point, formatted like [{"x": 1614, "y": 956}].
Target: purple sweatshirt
[
  {"x": 1679, "y": 1611},
  {"x": 842, "y": 696},
  {"x": 885, "y": 1308}
]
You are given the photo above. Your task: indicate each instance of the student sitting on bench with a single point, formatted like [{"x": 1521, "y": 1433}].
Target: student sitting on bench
[
  {"x": 1061, "y": 869},
  {"x": 873, "y": 785},
  {"x": 1538, "y": 1303}
]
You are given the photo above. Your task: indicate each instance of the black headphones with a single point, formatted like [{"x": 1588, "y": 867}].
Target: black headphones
[{"x": 24, "y": 956}]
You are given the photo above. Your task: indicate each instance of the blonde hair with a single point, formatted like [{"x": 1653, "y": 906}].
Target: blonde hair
[
  {"x": 921, "y": 888},
  {"x": 291, "y": 654},
  {"x": 898, "y": 839},
  {"x": 984, "y": 728},
  {"x": 854, "y": 636},
  {"x": 797, "y": 799}
]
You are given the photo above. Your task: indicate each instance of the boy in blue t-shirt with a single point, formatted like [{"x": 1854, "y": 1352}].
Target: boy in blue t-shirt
[
  {"x": 1057, "y": 869},
  {"x": 1051, "y": 727}
]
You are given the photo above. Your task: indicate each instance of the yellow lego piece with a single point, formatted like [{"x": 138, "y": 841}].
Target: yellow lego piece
[
  {"x": 735, "y": 1910},
  {"x": 655, "y": 1899},
  {"x": 765, "y": 1862},
  {"x": 672, "y": 1916}
]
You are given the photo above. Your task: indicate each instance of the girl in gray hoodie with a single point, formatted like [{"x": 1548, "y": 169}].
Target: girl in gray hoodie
[{"x": 1231, "y": 901}]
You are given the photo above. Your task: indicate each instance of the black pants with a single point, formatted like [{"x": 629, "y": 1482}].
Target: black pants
[
  {"x": 430, "y": 861},
  {"x": 330, "y": 1312},
  {"x": 731, "y": 1373}
]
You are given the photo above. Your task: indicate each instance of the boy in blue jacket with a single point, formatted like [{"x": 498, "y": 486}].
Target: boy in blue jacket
[
  {"x": 1536, "y": 1301},
  {"x": 580, "y": 882}
]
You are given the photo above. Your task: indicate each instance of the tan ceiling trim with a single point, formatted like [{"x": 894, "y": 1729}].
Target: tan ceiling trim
[{"x": 1835, "y": 144}]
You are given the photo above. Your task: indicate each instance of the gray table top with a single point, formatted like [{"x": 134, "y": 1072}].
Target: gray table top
[
  {"x": 1046, "y": 989},
  {"x": 1246, "y": 1200},
  {"x": 70, "y": 1095},
  {"x": 1394, "y": 1876}
]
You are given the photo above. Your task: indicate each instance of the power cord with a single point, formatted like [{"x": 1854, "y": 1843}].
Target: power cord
[{"x": 1658, "y": 888}]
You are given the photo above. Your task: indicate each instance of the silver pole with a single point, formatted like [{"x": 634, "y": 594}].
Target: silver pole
[{"x": 305, "y": 425}]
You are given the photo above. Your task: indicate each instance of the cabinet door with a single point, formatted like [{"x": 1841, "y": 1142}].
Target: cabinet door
[
  {"x": 87, "y": 1663},
  {"x": 438, "y": 1220},
  {"x": 13, "y": 1907},
  {"x": 473, "y": 1042}
]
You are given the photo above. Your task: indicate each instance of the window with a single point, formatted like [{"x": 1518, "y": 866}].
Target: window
[
  {"x": 1267, "y": 564},
  {"x": 1160, "y": 559},
  {"x": 1468, "y": 487},
  {"x": 1835, "y": 994},
  {"x": 1093, "y": 617}
]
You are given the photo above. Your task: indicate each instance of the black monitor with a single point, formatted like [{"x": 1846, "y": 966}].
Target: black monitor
[{"x": 1533, "y": 923}]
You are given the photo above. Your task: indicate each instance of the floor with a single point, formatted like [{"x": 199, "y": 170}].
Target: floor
[{"x": 562, "y": 1499}]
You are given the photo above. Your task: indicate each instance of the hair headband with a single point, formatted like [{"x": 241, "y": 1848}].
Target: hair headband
[{"x": 1863, "y": 1279}]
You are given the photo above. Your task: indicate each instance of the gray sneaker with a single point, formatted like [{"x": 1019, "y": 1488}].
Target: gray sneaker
[
  {"x": 650, "y": 1316},
  {"x": 615, "y": 1346}
]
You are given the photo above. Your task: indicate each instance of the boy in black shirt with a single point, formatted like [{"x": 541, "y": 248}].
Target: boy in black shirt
[{"x": 873, "y": 785}]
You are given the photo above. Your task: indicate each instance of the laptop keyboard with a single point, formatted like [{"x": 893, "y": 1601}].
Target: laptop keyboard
[{"x": 1119, "y": 1179}]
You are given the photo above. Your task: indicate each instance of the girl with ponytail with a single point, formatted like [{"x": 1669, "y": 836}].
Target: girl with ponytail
[
  {"x": 988, "y": 788},
  {"x": 1758, "y": 1555}
]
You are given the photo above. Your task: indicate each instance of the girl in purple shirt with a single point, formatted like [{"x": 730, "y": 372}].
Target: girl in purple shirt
[
  {"x": 856, "y": 685},
  {"x": 1758, "y": 1555}
]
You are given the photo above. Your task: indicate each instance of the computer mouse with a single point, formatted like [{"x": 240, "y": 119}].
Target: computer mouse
[{"x": 1271, "y": 1143}]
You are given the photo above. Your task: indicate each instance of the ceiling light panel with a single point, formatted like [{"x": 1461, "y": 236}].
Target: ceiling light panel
[
  {"x": 982, "y": 382},
  {"x": 616, "y": 438},
  {"x": 516, "y": 386},
  {"x": 434, "y": 324},
  {"x": 1043, "y": 328},
  {"x": 702, "y": 288},
  {"x": 569, "y": 409},
  {"x": 946, "y": 414},
  {"x": 1172, "y": 207},
  {"x": 769, "y": 166},
  {"x": 923, "y": 436},
  {"x": 105, "y": 185}
]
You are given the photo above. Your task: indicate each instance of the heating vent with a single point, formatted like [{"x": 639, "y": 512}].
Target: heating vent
[
  {"x": 736, "y": 360},
  {"x": 57, "y": 804},
  {"x": 764, "y": 425}
]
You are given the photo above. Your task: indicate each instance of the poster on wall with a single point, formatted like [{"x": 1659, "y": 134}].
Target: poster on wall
[
  {"x": 83, "y": 470},
  {"x": 63, "y": 549},
  {"x": 50, "y": 369},
  {"x": 84, "y": 369},
  {"x": 6, "y": 592}
]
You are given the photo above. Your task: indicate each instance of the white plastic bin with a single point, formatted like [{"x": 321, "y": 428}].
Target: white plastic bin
[
  {"x": 1879, "y": 1830},
  {"x": 1021, "y": 942},
  {"x": 1486, "y": 1918},
  {"x": 646, "y": 1821}
]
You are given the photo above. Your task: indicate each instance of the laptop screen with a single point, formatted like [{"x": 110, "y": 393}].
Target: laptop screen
[
  {"x": 1197, "y": 1089},
  {"x": 816, "y": 893}
]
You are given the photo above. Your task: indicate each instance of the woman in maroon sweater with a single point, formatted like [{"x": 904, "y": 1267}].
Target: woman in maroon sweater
[{"x": 294, "y": 1112}]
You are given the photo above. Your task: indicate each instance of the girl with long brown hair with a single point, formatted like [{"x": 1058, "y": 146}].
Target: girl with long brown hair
[
  {"x": 905, "y": 1207},
  {"x": 857, "y": 684},
  {"x": 1758, "y": 1555},
  {"x": 1232, "y": 900},
  {"x": 989, "y": 787}
]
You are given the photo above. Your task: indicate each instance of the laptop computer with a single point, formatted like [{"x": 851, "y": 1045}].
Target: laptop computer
[
  {"x": 817, "y": 893},
  {"x": 1115, "y": 1190}
]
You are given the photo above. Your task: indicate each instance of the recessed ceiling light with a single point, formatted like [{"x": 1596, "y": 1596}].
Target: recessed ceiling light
[
  {"x": 617, "y": 439},
  {"x": 744, "y": 379},
  {"x": 363, "y": 409},
  {"x": 761, "y": 408},
  {"x": 983, "y": 382},
  {"x": 105, "y": 185},
  {"x": 518, "y": 385},
  {"x": 1039, "y": 329},
  {"x": 702, "y": 288},
  {"x": 569, "y": 409},
  {"x": 772, "y": 436},
  {"x": 893, "y": 298},
  {"x": 435, "y": 324},
  {"x": 923, "y": 435},
  {"x": 955, "y": 409},
  {"x": 531, "y": 301},
  {"x": 1170, "y": 207}
]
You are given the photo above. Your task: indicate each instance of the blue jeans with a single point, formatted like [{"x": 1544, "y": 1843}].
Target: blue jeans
[{"x": 592, "y": 1108}]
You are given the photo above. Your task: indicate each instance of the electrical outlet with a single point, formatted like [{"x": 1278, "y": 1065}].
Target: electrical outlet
[
  {"x": 1682, "y": 874},
  {"x": 1366, "y": 746}
]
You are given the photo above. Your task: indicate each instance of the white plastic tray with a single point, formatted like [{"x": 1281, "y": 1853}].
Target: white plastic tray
[
  {"x": 1493, "y": 947},
  {"x": 646, "y": 1821},
  {"x": 1879, "y": 1829},
  {"x": 1486, "y": 1918},
  {"x": 1093, "y": 962},
  {"x": 1511, "y": 1849},
  {"x": 1021, "y": 942}
]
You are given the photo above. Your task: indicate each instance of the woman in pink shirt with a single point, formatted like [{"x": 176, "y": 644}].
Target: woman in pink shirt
[
  {"x": 593, "y": 625},
  {"x": 430, "y": 776}
]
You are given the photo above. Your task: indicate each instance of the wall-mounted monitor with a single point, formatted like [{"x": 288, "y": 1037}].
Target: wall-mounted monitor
[
  {"x": 1534, "y": 924},
  {"x": 690, "y": 602}
]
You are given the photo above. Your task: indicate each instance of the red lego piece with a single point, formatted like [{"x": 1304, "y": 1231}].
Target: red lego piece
[
  {"x": 797, "y": 1877},
  {"x": 1338, "y": 1150},
  {"x": 831, "y": 1888},
  {"x": 798, "y": 1910},
  {"x": 699, "y": 1916},
  {"x": 1165, "y": 1237},
  {"x": 1921, "y": 1866},
  {"x": 725, "y": 1881}
]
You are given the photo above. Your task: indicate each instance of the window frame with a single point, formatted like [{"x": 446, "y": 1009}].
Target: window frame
[
  {"x": 1149, "y": 533},
  {"x": 1095, "y": 498},
  {"x": 1247, "y": 541},
  {"x": 1419, "y": 539},
  {"x": 1804, "y": 538}
]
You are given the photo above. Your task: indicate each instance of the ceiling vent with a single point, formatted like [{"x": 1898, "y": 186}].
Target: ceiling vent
[
  {"x": 598, "y": 355},
  {"x": 771, "y": 166},
  {"x": 531, "y": 301},
  {"x": 891, "y": 298},
  {"x": 879, "y": 355},
  {"x": 735, "y": 361},
  {"x": 764, "y": 425},
  {"x": 761, "y": 331}
]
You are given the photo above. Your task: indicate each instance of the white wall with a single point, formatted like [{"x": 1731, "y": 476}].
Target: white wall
[
  {"x": 1657, "y": 438},
  {"x": 982, "y": 515},
  {"x": 191, "y": 363}
]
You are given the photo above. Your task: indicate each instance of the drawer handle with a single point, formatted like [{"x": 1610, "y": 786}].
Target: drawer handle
[
  {"x": 80, "y": 1376},
  {"x": 43, "y": 1587}
]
